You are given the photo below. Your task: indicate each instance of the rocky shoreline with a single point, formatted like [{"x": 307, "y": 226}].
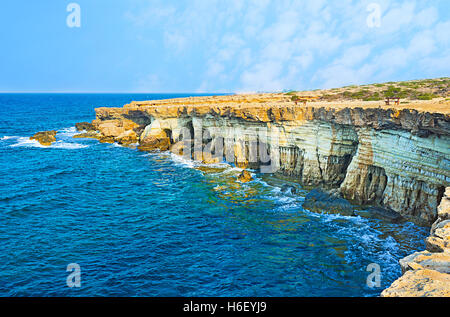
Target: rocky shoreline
[
  {"x": 396, "y": 160},
  {"x": 427, "y": 273}
]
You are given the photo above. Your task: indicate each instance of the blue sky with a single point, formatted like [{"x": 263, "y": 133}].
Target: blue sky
[{"x": 219, "y": 45}]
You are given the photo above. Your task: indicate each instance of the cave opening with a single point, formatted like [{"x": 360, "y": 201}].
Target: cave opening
[
  {"x": 440, "y": 195},
  {"x": 168, "y": 132}
]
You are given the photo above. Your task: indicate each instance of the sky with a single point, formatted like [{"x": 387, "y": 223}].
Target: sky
[{"x": 219, "y": 46}]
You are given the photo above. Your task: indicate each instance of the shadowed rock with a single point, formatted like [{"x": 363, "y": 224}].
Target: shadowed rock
[
  {"x": 383, "y": 214},
  {"x": 318, "y": 200},
  {"x": 85, "y": 126}
]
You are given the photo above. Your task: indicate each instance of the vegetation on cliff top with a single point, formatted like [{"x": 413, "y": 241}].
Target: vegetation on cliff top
[{"x": 425, "y": 89}]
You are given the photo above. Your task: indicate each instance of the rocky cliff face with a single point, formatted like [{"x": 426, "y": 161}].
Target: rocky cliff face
[
  {"x": 427, "y": 273},
  {"x": 396, "y": 159}
]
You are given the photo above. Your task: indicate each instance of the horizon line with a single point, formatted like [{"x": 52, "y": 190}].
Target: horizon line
[{"x": 108, "y": 92}]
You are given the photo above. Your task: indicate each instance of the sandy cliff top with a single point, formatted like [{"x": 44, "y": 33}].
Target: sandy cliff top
[
  {"x": 426, "y": 95},
  {"x": 436, "y": 105}
]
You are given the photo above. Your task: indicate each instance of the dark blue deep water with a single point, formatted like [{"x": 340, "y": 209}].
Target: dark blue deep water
[{"x": 153, "y": 225}]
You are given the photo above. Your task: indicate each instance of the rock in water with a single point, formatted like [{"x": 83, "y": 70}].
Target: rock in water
[
  {"x": 85, "y": 126},
  {"x": 318, "y": 200},
  {"x": 245, "y": 177},
  {"x": 383, "y": 214},
  {"x": 288, "y": 189},
  {"x": 45, "y": 137}
]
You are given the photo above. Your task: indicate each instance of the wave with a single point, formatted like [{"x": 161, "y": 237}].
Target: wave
[
  {"x": 9, "y": 137},
  {"x": 62, "y": 136},
  {"x": 67, "y": 132},
  {"x": 26, "y": 142}
]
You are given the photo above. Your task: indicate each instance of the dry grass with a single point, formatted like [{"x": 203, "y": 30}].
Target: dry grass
[{"x": 430, "y": 95}]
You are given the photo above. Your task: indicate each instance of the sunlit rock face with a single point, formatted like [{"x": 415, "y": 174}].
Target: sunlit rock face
[{"x": 393, "y": 159}]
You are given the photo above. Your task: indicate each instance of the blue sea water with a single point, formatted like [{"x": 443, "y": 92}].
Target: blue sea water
[{"x": 142, "y": 224}]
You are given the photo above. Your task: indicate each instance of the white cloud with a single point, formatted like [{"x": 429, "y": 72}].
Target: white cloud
[{"x": 263, "y": 45}]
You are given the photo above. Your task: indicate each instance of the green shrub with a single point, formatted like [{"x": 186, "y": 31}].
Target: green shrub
[{"x": 426, "y": 96}]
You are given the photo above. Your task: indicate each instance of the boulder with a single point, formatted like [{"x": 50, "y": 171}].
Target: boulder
[
  {"x": 426, "y": 260},
  {"x": 127, "y": 137},
  {"x": 85, "y": 126},
  {"x": 436, "y": 244},
  {"x": 45, "y": 137},
  {"x": 245, "y": 177},
  {"x": 111, "y": 128},
  {"x": 154, "y": 143}
]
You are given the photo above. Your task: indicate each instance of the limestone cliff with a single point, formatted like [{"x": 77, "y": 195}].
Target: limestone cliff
[{"x": 395, "y": 158}]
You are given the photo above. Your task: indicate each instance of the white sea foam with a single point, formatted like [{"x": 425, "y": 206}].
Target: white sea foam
[
  {"x": 68, "y": 146},
  {"x": 9, "y": 137},
  {"x": 26, "y": 142},
  {"x": 179, "y": 160},
  {"x": 67, "y": 132},
  {"x": 62, "y": 136}
]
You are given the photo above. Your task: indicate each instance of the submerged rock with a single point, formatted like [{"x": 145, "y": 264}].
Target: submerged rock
[
  {"x": 45, "y": 137},
  {"x": 318, "y": 200},
  {"x": 383, "y": 214},
  {"x": 245, "y": 177},
  {"x": 288, "y": 189}
]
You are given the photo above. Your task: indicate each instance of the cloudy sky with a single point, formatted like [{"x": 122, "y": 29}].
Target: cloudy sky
[{"x": 220, "y": 45}]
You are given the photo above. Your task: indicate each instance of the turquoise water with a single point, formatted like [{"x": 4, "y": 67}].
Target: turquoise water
[{"x": 142, "y": 224}]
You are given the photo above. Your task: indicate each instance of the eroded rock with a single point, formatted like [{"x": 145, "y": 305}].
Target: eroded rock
[
  {"x": 420, "y": 283},
  {"x": 85, "y": 126},
  {"x": 45, "y": 137},
  {"x": 88, "y": 135},
  {"x": 154, "y": 143}
]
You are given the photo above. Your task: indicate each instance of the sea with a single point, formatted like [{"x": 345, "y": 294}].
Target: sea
[{"x": 82, "y": 218}]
